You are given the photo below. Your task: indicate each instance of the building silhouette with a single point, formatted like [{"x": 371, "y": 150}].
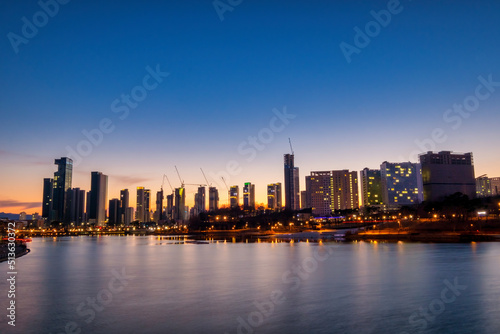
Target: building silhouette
[
  {"x": 180, "y": 204},
  {"x": 213, "y": 199},
  {"x": 125, "y": 219},
  {"x": 446, "y": 173},
  {"x": 75, "y": 206},
  {"x": 249, "y": 195},
  {"x": 48, "y": 195},
  {"x": 114, "y": 210},
  {"x": 143, "y": 201},
  {"x": 97, "y": 198},
  {"x": 292, "y": 189},
  {"x": 62, "y": 182},
  {"x": 274, "y": 196},
  {"x": 234, "y": 196},
  {"x": 199, "y": 201},
  {"x": 158, "y": 215}
]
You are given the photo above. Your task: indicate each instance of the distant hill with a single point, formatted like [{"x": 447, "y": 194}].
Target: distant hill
[{"x": 11, "y": 216}]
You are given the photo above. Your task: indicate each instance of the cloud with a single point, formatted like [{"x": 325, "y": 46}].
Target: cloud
[
  {"x": 130, "y": 180},
  {"x": 26, "y": 157},
  {"x": 23, "y": 205}
]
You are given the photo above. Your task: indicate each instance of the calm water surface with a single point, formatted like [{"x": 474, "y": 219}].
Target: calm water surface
[{"x": 139, "y": 284}]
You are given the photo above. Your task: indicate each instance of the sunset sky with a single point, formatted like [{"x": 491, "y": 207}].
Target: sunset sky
[{"x": 228, "y": 79}]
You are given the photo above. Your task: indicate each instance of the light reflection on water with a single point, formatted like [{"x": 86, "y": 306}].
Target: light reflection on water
[{"x": 214, "y": 288}]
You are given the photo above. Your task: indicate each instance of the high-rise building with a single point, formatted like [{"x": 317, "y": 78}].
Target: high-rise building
[
  {"x": 142, "y": 205},
  {"x": 495, "y": 186},
  {"x": 274, "y": 196},
  {"x": 129, "y": 213},
  {"x": 48, "y": 191},
  {"x": 483, "y": 186},
  {"x": 170, "y": 206},
  {"x": 180, "y": 204},
  {"x": 371, "y": 187},
  {"x": 75, "y": 205},
  {"x": 124, "y": 205},
  {"x": 62, "y": 182},
  {"x": 114, "y": 210},
  {"x": 158, "y": 215},
  {"x": 213, "y": 199},
  {"x": 22, "y": 216},
  {"x": 401, "y": 183},
  {"x": 305, "y": 195},
  {"x": 446, "y": 173},
  {"x": 234, "y": 196},
  {"x": 292, "y": 189},
  {"x": 98, "y": 198},
  {"x": 333, "y": 190},
  {"x": 249, "y": 195},
  {"x": 199, "y": 201}
]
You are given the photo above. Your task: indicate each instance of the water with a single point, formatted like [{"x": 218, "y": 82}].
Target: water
[{"x": 253, "y": 288}]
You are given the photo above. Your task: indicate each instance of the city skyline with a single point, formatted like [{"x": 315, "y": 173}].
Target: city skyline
[{"x": 212, "y": 95}]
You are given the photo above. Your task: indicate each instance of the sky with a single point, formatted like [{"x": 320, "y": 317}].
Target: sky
[{"x": 222, "y": 85}]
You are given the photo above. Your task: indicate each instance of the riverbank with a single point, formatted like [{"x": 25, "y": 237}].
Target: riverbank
[{"x": 21, "y": 250}]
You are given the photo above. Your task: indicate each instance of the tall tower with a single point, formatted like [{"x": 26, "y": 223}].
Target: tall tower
[
  {"x": 159, "y": 206},
  {"x": 98, "y": 197},
  {"x": 234, "y": 196},
  {"x": 124, "y": 202},
  {"x": 213, "y": 199},
  {"x": 142, "y": 206},
  {"x": 249, "y": 195},
  {"x": 292, "y": 189},
  {"x": 180, "y": 204},
  {"x": 48, "y": 196},
  {"x": 199, "y": 200},
  {"x": 62, "y": 182}
]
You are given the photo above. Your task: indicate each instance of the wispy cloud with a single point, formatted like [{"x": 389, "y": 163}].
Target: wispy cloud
[
  {"x": 26, "y": 157},
  {"x": 130, "y": 180},
  {"x": 24, "y": 205}
]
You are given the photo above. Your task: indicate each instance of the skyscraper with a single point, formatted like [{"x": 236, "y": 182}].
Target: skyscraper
[
  {"x": 249, "y": 196},
  {"x": 292, "y": 189},
  {"x": 371, "y": 187},
  {"x": 213, "y": 199},
  {"x": 333, "y": 190},
  {"x": 305, "y": 195},
  {"x": 75, "y": 205},
  {"x": 159, "y": 206},
  {"x": 401, "y": 183},
  {"x": 170, "y": 206},
  {"x": 446, "y": 173},
  {"x": 114, "y": 210},
  {"x": 274, "y": 196},
  {"x": 180, "y": 204},
  {"x": 199, "y": 203},
  {"x": 48, "y": 191},
  {"x": 98, "y": 197},
  {"x": 142, "y": 205},
  {"x": 62, "y": 182},
  {"x": 234, "y": 196},
  {"x": 124, "y": 204}
]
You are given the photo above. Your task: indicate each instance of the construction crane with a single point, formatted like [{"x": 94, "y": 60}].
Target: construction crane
[
  {"x": 179, "y": 175},
  {"x": 290, "y": 141},
  {"x": 228, "y": 192},
  {"x": 209, "y": 184},
  {"x": 163, "y": 182}
]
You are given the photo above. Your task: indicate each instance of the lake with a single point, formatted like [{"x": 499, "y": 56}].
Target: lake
[{"x": 147, "y": 284}]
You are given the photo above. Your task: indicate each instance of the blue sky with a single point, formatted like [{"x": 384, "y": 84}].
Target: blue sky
[{"x": 226, "y": 77}]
